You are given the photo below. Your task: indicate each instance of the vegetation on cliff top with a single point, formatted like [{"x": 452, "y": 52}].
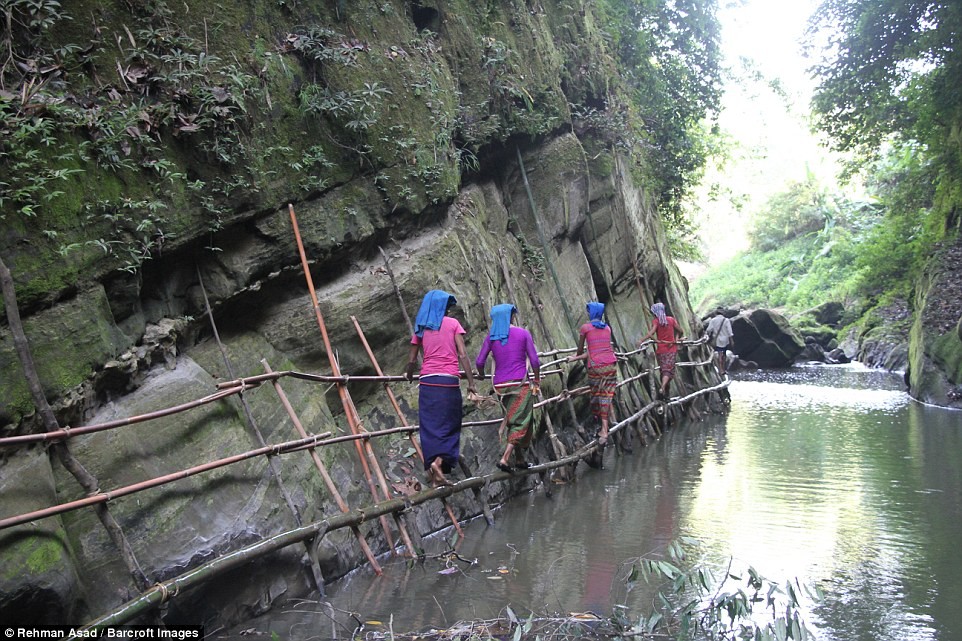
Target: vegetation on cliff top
[{"x": 133, "y": 130}]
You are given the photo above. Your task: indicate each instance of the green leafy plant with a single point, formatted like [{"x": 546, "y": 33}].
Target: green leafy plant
[{"x": 695, "y": 602}]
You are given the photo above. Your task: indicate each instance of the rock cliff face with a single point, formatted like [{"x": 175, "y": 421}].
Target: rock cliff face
[
  {"x": 935, "y": 348},
  {"x": 378, "y": 170}
]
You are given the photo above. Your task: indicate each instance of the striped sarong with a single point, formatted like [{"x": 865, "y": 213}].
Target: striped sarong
[
  {"x": 666, "y": 362},
  {"x": 602, "y": 379},
  {"x": 518, "y": 402},
  {"x": 439, "y": 415}
]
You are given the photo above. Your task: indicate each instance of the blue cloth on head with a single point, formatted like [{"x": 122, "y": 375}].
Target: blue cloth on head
[
  {"x": 595, "y": 313},
  {"x": 658, "y": 309},
  {"x": 501, "y": 322},
  {"x": 432, "y": 310}
]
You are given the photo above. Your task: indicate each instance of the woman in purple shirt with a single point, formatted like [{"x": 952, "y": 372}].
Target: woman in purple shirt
[{"x": 512, "y": 348}]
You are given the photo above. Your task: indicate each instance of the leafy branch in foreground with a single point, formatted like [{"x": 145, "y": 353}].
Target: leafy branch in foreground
[{"x": 692, "y": 603}]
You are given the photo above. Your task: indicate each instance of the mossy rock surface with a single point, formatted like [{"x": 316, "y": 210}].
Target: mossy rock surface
[{"x": 40, "y": 581}]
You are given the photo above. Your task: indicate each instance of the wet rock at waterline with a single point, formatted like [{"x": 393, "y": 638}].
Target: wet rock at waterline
[{"x": 765, "y": 337}]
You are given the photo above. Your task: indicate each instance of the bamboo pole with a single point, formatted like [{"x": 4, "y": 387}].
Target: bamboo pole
[
  {"x": 544, "y": 245},
  {"x": 322, "y": 470},
  {"x": 253, "y": 381},
  {"x": 397, "y": 291},
  {"x": 387, "y": 387},
  {"x": 101, "y": 497},
  {"x": 382, "y": 483},
  {"x": 59, "y": 434},
  {"x": 352, "y": 419}
]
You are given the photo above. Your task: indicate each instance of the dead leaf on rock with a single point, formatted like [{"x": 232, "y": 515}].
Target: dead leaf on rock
[{"x": 408, "y": 486}]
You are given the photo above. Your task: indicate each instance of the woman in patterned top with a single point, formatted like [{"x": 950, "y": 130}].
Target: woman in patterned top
[
  {"x": 667, "y": 332},
  {"x": 601, "y": 365}
]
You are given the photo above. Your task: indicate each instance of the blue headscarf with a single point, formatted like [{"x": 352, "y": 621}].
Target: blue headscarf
[
  {"x": 432, "y": 310},
  {"x": 595, "y": 313},
  {"x": 501, "y": 322},
  {"x": 658, "y": 309}
]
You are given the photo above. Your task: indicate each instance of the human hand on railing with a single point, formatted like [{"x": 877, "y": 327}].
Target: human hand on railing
[{"x": 409, "y": 372}]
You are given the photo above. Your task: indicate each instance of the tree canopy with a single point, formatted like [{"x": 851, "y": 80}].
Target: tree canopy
[
  {"x": 888, "y": 67},
  {"x": 670, "y": 60}
]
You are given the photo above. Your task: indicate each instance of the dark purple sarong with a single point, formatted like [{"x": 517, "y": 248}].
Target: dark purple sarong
[{"x": 439, "y": 415}]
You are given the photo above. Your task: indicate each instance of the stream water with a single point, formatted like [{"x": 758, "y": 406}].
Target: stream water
[{"x": 829, "y": 475}]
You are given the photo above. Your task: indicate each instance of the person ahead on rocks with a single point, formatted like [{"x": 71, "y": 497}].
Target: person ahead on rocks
[
  {"x": 719, "y": 332},
  {"x": 602, "y": 365},
  {"x": 667, "y": 333},
  {"x": 512, "y": 348},
  {"x": 440, "y": 339}
]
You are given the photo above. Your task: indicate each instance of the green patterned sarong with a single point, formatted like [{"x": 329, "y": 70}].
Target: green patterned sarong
[{"x": 518, "y": 402}]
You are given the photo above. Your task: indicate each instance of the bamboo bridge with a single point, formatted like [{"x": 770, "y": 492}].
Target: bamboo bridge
[{"x": 637, "y": 413}]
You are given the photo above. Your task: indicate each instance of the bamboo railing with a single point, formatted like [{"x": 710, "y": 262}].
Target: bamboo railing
[{"x": 383, "y": 504}]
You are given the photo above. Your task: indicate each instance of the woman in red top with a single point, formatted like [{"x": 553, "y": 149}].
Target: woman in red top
[
  {"x": 667, "y": 333},
  {"x": 602, "y": 365}
]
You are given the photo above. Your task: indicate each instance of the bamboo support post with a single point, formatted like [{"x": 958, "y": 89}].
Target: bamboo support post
[
  {"x": 382, "y": 483},
  {"x": 547, "y": 251},
  {"x": 322, "y": 470},
  {"x": 387, "y": 387},
  {"x": 397, "y": 291},
  {"x": 350, "y": 412}
]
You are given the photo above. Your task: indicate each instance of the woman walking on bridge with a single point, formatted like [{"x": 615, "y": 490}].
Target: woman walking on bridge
[
  {"x": 512, "y": 348},
  {"x": 440, "y": 340},
  {"x": 667, "y": 332},
  {"x": 602, "y": 365}
]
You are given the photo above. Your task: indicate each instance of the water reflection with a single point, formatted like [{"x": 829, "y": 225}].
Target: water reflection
[{"x": 828, "y": 475}]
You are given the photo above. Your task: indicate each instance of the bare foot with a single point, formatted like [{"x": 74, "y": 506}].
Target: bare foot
[{"x": 438, "y": 479}]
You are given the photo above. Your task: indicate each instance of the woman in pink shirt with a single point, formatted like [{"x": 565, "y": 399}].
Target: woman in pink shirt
[
  {"x": 512, "y": 348},
  {"x": 667, "y": 332},
  {"x": 602, "y": 365},
  {"x": 440, "y": 339}
]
